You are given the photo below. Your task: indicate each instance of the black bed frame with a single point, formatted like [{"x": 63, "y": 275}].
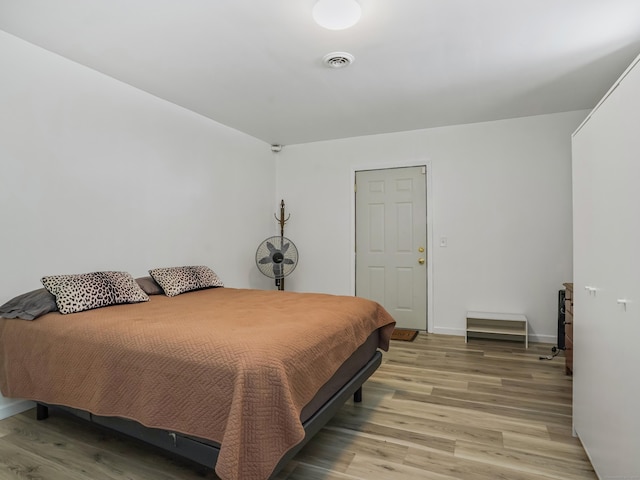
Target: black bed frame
[{"x": 205, "y": 452}]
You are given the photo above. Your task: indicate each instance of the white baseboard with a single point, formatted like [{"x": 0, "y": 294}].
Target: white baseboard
[
  {"x": 552, "y": 339},
  {"x": 14, "y": 407},
  {"x": 461, "y": 333},
  {"x": 449, "y": 331}
]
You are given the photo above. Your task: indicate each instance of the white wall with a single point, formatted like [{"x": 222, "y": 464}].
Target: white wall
[
  {"x": 98, "y": 175},
  {"x": 499, "y": 191}
]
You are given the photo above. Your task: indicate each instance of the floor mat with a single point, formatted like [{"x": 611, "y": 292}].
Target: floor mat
[{"x": 404, "y": 334}]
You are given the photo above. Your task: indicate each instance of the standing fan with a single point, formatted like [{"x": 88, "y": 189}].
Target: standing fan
[{"x": 277, "y": 257}]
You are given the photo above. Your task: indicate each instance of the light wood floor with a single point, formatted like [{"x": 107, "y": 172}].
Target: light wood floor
[{"x": 436, "y": 409}]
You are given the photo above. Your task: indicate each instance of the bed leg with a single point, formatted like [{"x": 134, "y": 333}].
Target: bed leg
[
  {"x": 357, "y": 396},
  {"x": 42, "y": 412}
]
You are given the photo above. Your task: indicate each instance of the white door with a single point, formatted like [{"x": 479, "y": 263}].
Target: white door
[{"x": 391, "y": 236}]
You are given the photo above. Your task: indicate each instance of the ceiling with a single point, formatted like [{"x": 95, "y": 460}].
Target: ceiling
[{"x": 256, "y": 65}]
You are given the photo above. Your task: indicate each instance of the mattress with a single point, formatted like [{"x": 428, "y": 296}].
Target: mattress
[{"x": 233, "y": 366}]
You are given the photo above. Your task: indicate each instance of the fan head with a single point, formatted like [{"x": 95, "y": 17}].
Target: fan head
[{"x": 276, "y": 257}]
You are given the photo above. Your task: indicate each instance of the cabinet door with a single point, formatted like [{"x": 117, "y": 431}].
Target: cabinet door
[{"x": 606, "y": 231}]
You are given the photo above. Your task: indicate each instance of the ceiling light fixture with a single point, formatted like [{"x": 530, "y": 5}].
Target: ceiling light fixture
[{"x": 336, "y": 14}]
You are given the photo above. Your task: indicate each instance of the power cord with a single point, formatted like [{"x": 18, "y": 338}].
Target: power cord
[{"x": 555, "y": 351}]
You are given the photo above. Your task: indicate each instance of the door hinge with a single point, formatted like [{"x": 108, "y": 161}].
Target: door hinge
[{"x": 355, "y": 188}]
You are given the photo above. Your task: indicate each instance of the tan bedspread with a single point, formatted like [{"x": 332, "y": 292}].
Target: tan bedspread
[{"x": 230, "y": 365}]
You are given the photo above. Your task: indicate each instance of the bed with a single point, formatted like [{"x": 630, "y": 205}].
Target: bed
[{"x": 234, "y": 379}]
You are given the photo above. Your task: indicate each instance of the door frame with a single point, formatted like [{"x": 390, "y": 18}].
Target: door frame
[{"x": 428, "y": 185}]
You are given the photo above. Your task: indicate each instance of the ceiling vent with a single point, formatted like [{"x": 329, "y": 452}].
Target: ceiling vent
[{"x": 338, "y": 59}]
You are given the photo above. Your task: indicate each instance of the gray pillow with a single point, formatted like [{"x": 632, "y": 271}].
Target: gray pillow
[
  {"x": 30, "y": 305},
  {"x": 149, "y": 286}
]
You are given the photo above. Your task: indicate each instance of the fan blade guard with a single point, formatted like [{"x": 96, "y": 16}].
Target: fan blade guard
[{"x": 276, "y": 257}]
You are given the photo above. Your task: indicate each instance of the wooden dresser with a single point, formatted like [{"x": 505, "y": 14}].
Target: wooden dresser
[{"x": 568, "y": 328}]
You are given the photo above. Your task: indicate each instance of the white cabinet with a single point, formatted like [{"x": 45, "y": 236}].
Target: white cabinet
[{"x": 606, "y": 231}]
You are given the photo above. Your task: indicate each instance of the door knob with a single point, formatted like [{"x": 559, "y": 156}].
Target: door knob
[
  {"x": 421, "y": 261},
  {"x": 421, "y": 249}
]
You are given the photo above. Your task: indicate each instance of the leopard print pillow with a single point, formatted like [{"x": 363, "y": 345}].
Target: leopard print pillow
[
  {"x": 75, "y": 293},
  {"x": 177, "y": 280}
]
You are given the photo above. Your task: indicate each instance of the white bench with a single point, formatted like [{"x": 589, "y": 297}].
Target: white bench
[{"x": 514, "y": 324}]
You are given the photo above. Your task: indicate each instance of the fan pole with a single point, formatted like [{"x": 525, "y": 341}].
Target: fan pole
[{"x": 282, "y": 220}]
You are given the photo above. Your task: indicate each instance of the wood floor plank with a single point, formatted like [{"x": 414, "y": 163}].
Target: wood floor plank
[
  {"x": 17, "y": 462},
  {"x": 559, "y": 396},
  {"x": 306, "y": 471},
  {"x": 435, "y": 377},
  {"x": 333, "y": 446},
  {"x": 77, "y": 455},
  {"x": 512, "y": 412},
  {"x": 437, "y": 408},
  {"x": 371, "y": 468},
  {"x": 498, "y": 397},
  {"x": 535, "y": 463},
  {"x": 436, "y": 434},
  {"x": 471, "y": 418},
  {"x": 564, "y": 386},
  {"x": 457, "y": 467},
  {"x": 568, "y": 449},
  {"x": 415, "y": 384},
  {"x": 561, "y": 433}
]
